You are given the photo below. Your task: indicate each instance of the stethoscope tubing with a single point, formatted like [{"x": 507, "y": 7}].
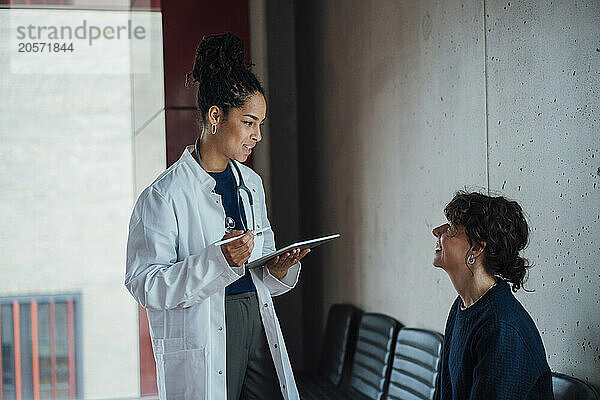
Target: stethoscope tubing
[{"x": 240, "y": 186}]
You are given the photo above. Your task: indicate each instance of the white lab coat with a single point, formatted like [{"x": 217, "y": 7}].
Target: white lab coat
[{"x": 176, "y": 272}]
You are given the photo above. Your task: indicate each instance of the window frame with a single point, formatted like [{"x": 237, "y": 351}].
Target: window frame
[{"x": 75, "y": 363}]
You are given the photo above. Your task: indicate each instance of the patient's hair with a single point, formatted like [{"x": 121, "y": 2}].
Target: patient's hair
[
  {"x": 224, "y": 78},
  {"x": 498, "y": 223}
]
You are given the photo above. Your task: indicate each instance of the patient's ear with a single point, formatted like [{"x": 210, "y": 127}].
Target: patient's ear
[{"x": 477, "y": 249}]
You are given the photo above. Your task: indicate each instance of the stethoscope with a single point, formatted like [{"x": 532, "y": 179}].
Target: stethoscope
[{"x": 241, "y": 186}]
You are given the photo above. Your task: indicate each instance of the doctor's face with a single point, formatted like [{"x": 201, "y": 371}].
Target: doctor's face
[{"x": 241, "y": 130}]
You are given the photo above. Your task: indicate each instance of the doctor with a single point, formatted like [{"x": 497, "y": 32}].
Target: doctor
[{"x": 214, "y": 330}]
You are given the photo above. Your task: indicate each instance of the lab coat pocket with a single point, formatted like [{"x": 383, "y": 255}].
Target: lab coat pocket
[
  {"x": 182, "y": 375},
  {"x": 172, "y": 345}
]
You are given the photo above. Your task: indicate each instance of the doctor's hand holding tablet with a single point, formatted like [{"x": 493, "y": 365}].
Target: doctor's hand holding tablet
[
  {"x": 279, "y": 265},
  {"x": 237, "y": 247}
]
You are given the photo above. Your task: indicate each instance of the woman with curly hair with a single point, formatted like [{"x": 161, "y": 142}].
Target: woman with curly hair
[
  {"x": 214, "y": 330},
  {"x": 492, "y": 348}
]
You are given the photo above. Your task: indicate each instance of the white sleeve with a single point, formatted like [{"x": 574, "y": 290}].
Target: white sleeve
[{"x": 153, "y": 275}]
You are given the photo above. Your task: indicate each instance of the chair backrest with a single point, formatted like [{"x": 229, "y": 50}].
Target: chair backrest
[
  {"x": 372, "y": 356},
  {"x": 568, "y": 388},
  {"x": 416, "y": 365},
  {"x": 338, "y": 343}
]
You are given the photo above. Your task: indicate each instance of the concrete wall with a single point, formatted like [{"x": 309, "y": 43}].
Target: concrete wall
[
  {"x": 414, "y": 100},
  {"x": 282, "y": 147},
  {"x": 259, "y": 55}
]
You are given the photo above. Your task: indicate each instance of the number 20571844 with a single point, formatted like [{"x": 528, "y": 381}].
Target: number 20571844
[{"x": 43, "y": 47}]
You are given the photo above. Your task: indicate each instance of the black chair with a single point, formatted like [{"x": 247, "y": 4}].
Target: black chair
[
  {"x": 336, "y": 355},
  {"x": 339, "y": 341},
  {"x": 416, "y": 365},
  {"x": 370, "y": 372},
  {"x": 568, "y": 388}
]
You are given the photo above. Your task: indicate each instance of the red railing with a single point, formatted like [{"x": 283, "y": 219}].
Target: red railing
[
  {"x": 1, "y": 373},
  {"x": 35, "y": 357},
  {"x": 52, "y": 349},
  {"x": 33, "y": 385},
  {"x": 71, "y": 344},
  {"x": 17, "y": 346}
]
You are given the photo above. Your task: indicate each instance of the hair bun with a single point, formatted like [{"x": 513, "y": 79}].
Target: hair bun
[
  {"x": 515, "y": 272},
  {"x": 224, "y": 78},
  {"x": 218, "y": 54}
]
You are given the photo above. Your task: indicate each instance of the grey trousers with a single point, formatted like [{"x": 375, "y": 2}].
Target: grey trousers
[{"x": 250, "y": 371}]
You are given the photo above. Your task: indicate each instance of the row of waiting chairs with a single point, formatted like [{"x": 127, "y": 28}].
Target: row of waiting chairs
[{"x": 372, "y": 356}]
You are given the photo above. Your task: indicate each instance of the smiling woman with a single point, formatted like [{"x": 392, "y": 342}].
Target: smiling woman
[
  {"x": 492, "y": 348},
  {"x": 214, "y": 330},
  {"x": 235, "y": 136}
]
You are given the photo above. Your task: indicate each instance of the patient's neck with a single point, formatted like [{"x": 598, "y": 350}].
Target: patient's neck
[{"x": 471, "y": 288}]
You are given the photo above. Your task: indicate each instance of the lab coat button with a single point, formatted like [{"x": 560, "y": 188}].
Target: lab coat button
[
  {"x": 283, "y": 386},
  {"x": 220, "y": 372},
  {"x": 275, "y": 345},
  {"x": 220, "y": 328},
  {"x": 266, "y": 305}
]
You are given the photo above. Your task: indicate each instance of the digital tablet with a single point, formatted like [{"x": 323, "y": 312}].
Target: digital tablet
[{"x": 307, "y": 244}]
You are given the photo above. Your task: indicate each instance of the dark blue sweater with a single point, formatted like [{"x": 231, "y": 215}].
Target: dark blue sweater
[
  {"x": 493, "y": 350},
  {"x": 234, "y": 208}
]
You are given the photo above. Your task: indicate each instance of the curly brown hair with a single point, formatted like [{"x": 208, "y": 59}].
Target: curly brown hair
[
  {"x": 224, "y": 78},
  {"x": 498, "y": 223}
]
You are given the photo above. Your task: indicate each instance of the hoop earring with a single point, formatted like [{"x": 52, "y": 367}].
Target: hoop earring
[
  {"x": 213, "y": 129},
  {"x": 471, "y": 259}
]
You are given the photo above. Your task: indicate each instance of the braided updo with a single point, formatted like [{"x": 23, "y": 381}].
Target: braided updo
[
  {"x": 224, "y": 78},
  {"x": 499, "y": 223}
]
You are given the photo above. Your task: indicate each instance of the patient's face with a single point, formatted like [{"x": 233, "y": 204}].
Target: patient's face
[{"x": 451, "y": 247}]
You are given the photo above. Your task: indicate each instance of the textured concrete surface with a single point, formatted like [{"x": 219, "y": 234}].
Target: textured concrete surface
[
  {"x": 544, "y": 148},
  {"x": 259, "y": 56},
  {"x": 403, "y": 109},
  {"x": 415, "y": 100},
  {"x": 283, "y": 142}
]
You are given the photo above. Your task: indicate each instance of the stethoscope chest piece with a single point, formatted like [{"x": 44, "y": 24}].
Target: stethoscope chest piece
[
  {"x": 229, "y": 224},
  {"x": 241, "y": 187}
]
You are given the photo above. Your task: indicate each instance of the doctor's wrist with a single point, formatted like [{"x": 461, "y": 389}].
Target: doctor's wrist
[{"x": 277, "y": 273}]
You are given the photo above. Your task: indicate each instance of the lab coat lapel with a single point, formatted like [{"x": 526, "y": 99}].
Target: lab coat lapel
[{"x": 206, "y": 184}]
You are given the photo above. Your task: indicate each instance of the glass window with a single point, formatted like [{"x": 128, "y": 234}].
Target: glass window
[
  {"x": 44, "y": 362},
  {"x": 82, "y": 128}
]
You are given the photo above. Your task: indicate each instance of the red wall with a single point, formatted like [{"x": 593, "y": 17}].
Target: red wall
[{"x": 185, "y": 22}]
